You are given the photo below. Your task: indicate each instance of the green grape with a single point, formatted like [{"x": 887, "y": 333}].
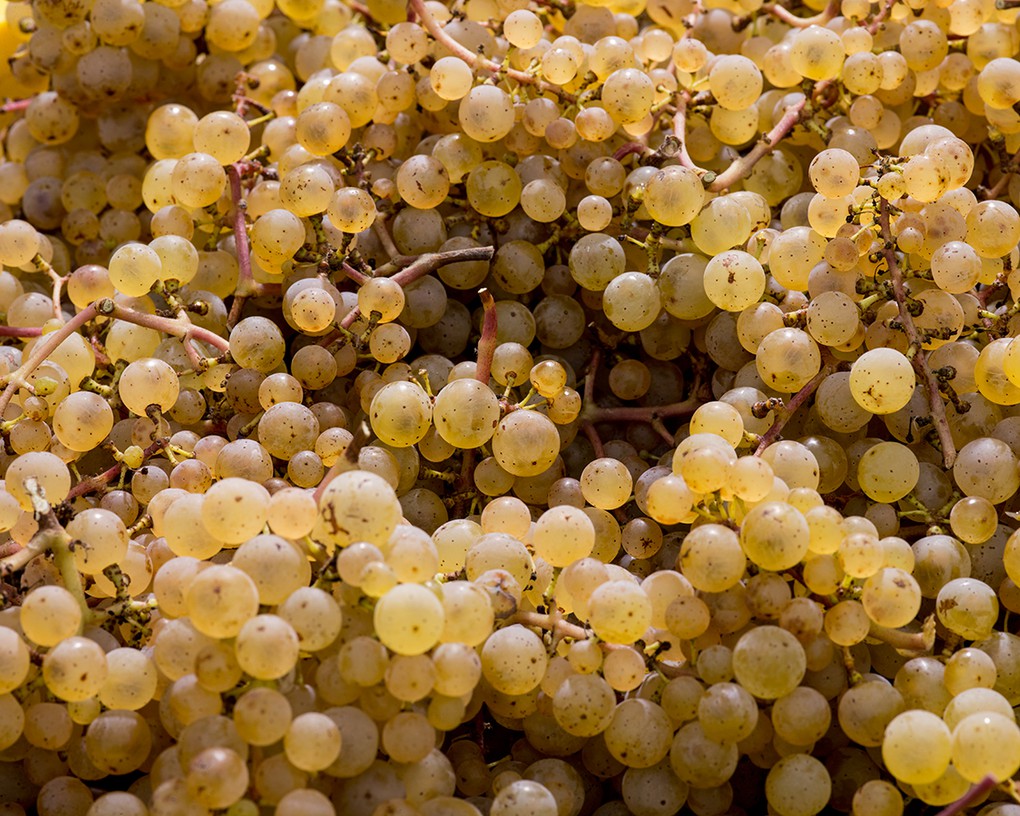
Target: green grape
[
  {"x": 891, "y": 597},
  {"x": 798, "y": 785},
  {"x": 917, "y": 747},
  {"x": 734, "y": 280},
  {"x": 711, "y": 558},
  {"x": 769, "y": 662},
  {"x": 882, "y": 380},
  {"x": 409, "y": 619},
  {"x": 465, "y": 413},
  {"x": 401, "y": 413}
]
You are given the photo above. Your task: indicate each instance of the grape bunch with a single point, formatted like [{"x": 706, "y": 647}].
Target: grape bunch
[{"x": 509, "y": 407}]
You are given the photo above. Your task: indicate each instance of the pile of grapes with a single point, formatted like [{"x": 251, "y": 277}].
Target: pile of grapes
[{"x": 509, "y": 407}]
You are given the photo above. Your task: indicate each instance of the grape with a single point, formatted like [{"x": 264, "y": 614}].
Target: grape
[
  {"x": 49, "y": 615},
  {"x": 888, "y": 471},
  {"x": 524, "y": 796},
  {"x": 74, "y": 670},
  {"x": 674, "y": 195},
  {"x": 563, "y": 535},
  {"x": 969, "y": 668},
  {"x": 312, "y": 741},
  {"x": 525, "y": 443},
  {"x": 798, "y": 785},
  {"x": 465, "y": 413},
  {"x": 774, "y": 535},
  {"x": 639, "y": 735},
  {"x": 82, "y": 421},
  {"x": 619, "y": 611},
  {"x": 217, "y": 777},
  {"x": 697, "y": 759},
  {"x": 712, "y": 559},
  {"x": 117, "y": 742},
  {"x": 266, "y": 647},
  {"x": 513, "y": 660},
  {"x": 584, "y": 705},
  {"x": 14, "y": 660},
  {"x": 375, "y": 518},
  {"x": 787, "y": 359},
  {"x": 769, "y": 662},
  {"x": 917, "y": 747},
  {"x": 409, "y": 619},
  {"x": 734, "y": 280},
  {"x": 891, "y": 597},
  {"x": 986, "y": 744},
  {"x": 968, "y": 607}
]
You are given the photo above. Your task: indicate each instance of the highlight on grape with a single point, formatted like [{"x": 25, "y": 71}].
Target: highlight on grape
[{"x": 509, "y": 407}]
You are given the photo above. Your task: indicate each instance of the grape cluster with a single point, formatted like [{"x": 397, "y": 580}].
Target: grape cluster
[{"x": 509, "y": 407}]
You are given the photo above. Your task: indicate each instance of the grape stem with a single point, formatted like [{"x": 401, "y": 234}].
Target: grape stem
[
  {"x": 919, "y": 359},
  {"x": 246, "y": 285},
  {"x": 915, "y": 643},
  {"x": 42, "y": 350},
  {"x": 553, "y": 622},
  {"x": 383, "y": 234},
  {"x": 20, "y": 331},
  {"x": 786, "y": 413},
  {"x": 42, "y": 265},
  {"x": 359, "y": 278},
  {"x": 878, "y": 19},
  {"x": 742, "y": 167},
  {"x": 487, "y": 342},
  {"x": 1000, "y": 186},
  {"x": 680, "y": 131},
  {"x": 15, "y": 105},
  {"x": 630, "y": 148},
  {"x": 477, "y": 61},
  {"x": 971, "y": 797},
  {"x": 412, "y": 267},
  {"x": 588, "y": 398},
  {"x": 791, "y": 19},
  {"x": 86, "y": 486},
  {"x": 642, "y": 413},
  {"x": 50, "y": 537},
  {"x": 180, "y": 327},
  {"x": 652, "y": 414}
]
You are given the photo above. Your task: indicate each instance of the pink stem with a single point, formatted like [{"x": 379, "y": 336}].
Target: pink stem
[
  {"x": 797, "y": 400},
  {"x": 999, "y": 187},
  {"x": 43, "y": 349},
  {"x": 86, "y": 486},
  {"x": 106, "y": 308},
  {"x": 15, "y": 105},
  {"x": 487, "y": 342},
  {"x": 359, "y": 278},
  {"x": 20, "y": 331},
  {"x": 419, "y": 268},
  {"x": 594, "y": 439},
  {"x": 643, "y": 413},
  {"x": 791, "y": 19},
  {"x": 742, "y": 167},
  {"x": 920, "y": 359},
  {"x": 877, "y": 20},
  {"x": 970, "y": 797},
  {"x": 178, "y": 327},
  {"x": 680, "y": 131},
  {"x": 245, "y": 280},
  {"x": 629, "y": 148}
]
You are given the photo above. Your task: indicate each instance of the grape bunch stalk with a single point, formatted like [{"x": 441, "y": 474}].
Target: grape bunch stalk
[{"x": 509, "y": 407}]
